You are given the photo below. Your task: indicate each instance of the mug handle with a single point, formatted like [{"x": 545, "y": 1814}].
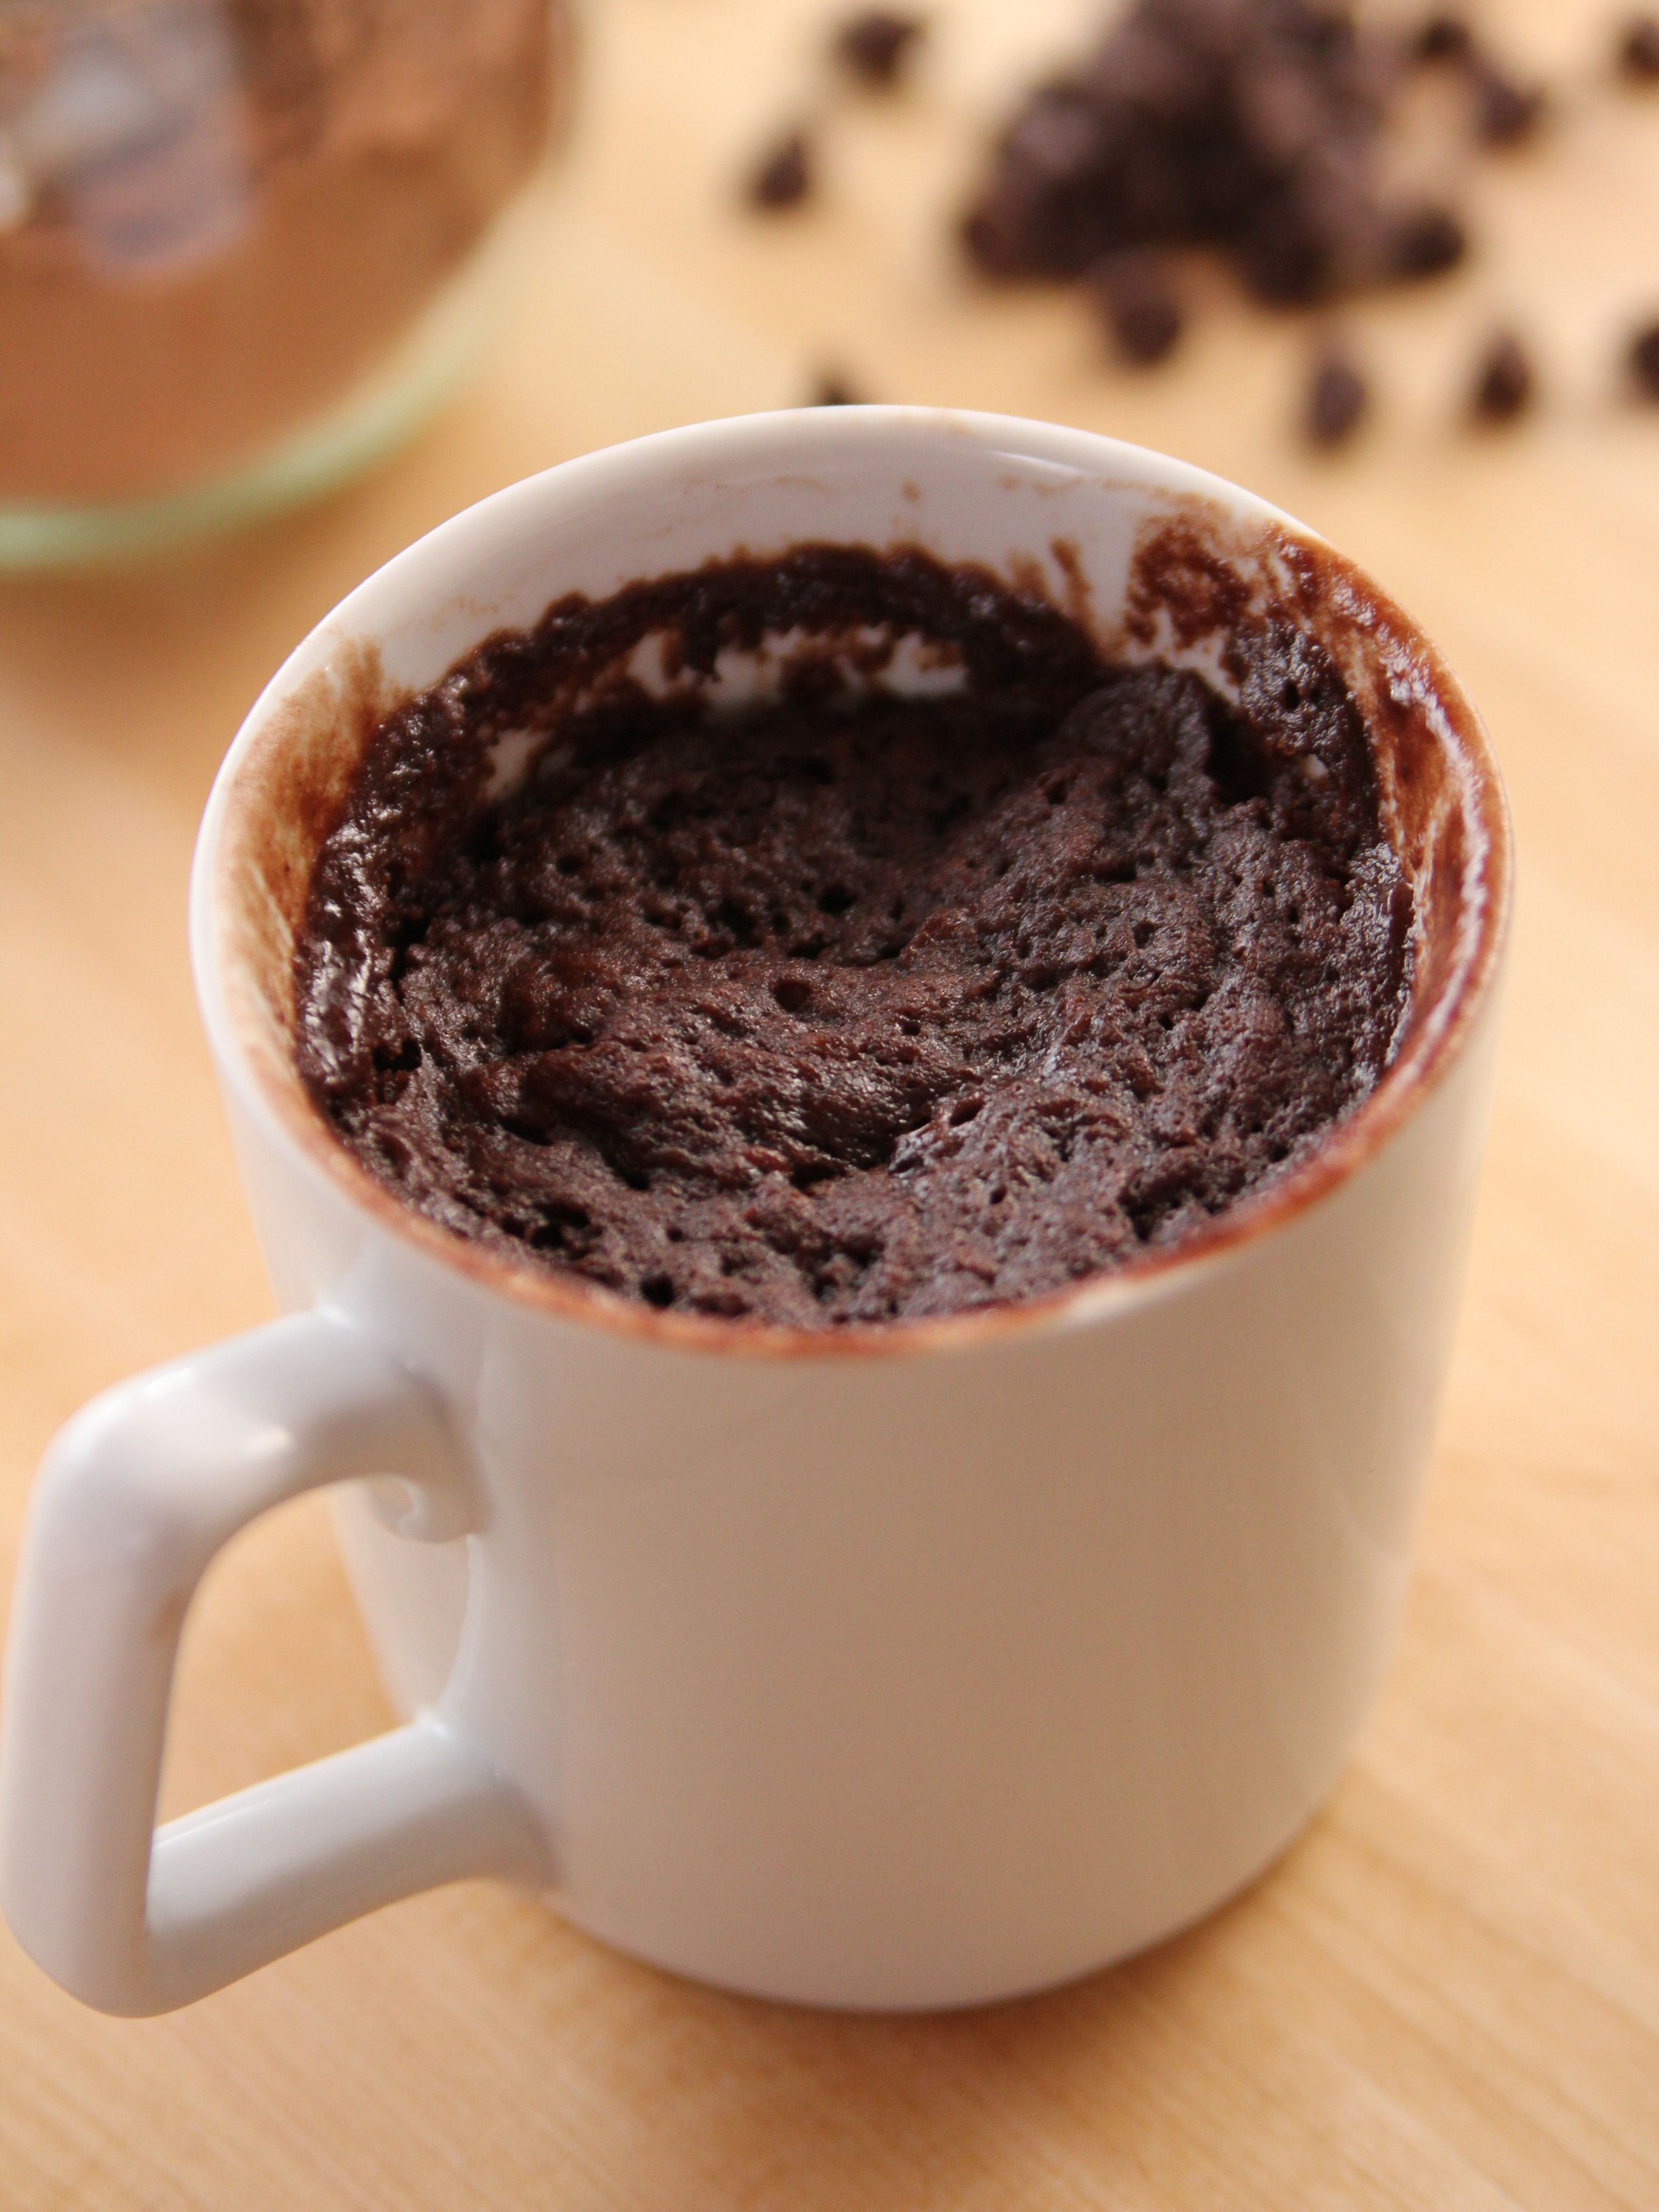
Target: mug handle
[{"x": 136, "y": 1495}]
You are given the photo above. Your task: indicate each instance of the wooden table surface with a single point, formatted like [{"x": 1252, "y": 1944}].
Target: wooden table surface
[{"x": 1448, "y": 1994}]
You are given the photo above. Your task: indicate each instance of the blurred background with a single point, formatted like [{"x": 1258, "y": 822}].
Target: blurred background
[{"x": 285, "y": 282}]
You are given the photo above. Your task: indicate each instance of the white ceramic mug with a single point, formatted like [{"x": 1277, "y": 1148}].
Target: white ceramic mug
[{"x": 893, "y": 1667}]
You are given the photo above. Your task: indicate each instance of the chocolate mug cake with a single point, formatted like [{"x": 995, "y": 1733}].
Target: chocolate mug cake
[
  {"x": 870, "y": 1000},
  {"x": 892, "y": 1661}
]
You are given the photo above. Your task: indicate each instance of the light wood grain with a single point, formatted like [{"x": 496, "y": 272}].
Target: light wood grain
[{"x": 1448, "y": 1995}]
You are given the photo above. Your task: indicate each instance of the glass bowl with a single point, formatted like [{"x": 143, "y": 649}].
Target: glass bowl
[{"x": 245, "y": 245}]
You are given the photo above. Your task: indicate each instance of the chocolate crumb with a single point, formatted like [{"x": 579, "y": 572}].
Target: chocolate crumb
[
  {"x": 1638, "y": 56},
  {"x": 1507, "y": 113},
  {"x": 1427, "y": 242},
  {"x": 833, "y": 390},
  {"x": 1443, "y": 38},
  {"x": 876, "y": 46},
  {"x": 1643, "y": 358},
  {"x": 1337, "y": 397},
  {"x": 784, "y": 177},
  {"x": 1138, "y": 302},
  {"x": 1504, "y": 385}
]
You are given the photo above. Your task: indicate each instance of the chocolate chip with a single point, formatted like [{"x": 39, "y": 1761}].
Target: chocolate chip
[
  {"x": 1637, "y": 58},
  {"x": 1443, "y": 38},
  {"x": 1062, "y": 138},
  {"x": 832, "y": 389},
  {"x": 876, "y": 46},
  {"x": 1337, "y": 397},
  {"x": 1506, "y": 113},
  {"x": 990, "y": 236},
  {"x": 1285, "y": 262},
  {"x": 1504, "y": 384},
  {"x": 1427, "y": 242},
  {"x": 1138, "y": 302},
  {"x": 783, "y": 179},
  {"x": 1642, "y": 358}
]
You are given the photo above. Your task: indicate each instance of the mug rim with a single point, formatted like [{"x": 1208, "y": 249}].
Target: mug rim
[{"x": 1341, "y": 1151}]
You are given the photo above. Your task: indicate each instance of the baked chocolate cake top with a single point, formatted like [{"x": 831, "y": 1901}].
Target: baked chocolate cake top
[{"x": 850, "y": 1006}]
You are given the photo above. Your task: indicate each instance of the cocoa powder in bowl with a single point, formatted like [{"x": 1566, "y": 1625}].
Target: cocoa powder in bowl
[{"x": 216, "y": 220}]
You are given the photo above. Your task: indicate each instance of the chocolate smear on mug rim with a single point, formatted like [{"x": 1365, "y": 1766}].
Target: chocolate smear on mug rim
[{"x": 1183, "y": 581}]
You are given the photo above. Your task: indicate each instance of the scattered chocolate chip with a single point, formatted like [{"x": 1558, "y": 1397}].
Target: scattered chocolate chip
[
  {"x": 1443, "y": 38},
  {"x": 1337, "y": 397},
  {"x": 832, "y": 389},
  {"x": 1427, "y": 242},
  {"x": 1506, "y": 113},
  {"x": 1643, "y": 358},
  {"x": 876, "y": 46},
  {"x": 1638, "y": 49},
  {"x": 1137, "y": 300},
  {"x": 1504, "y": 384},
  {"x": 784, "y": 177}
]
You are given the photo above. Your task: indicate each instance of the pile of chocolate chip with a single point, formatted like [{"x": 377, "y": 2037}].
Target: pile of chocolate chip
[
  {"x": 1251, "y": 127},
  {"x": 1255, "y": 129}
]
